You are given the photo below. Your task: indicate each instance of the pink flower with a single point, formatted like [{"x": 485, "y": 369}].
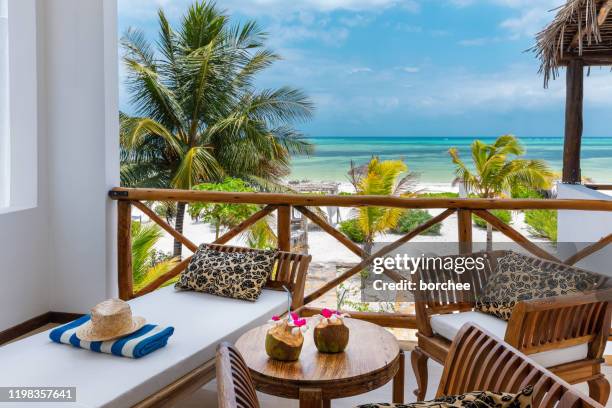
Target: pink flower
[
  {"x": 275, "y": 318},
  {"x": 294, "y": 316},
  {"x": 326, "y": 313},
  {"x": 299, "y": 322}
]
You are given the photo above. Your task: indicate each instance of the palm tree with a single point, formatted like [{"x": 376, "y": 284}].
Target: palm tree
[
  {"x": 147, "y": 265},
  {"x": 198, "y": 116},
  {"x": 379, "y": 178},
  {"x": 497, "y": 171}
]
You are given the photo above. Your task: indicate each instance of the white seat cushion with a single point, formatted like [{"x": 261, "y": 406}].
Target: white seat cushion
[
  {"x": 201, "y": 322},
  {"x": 447, "y": 326}
]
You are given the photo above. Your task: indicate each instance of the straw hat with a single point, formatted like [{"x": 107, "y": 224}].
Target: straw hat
[{"x": 109, "y": 320}]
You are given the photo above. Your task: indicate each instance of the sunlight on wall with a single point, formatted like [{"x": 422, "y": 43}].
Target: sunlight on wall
[{"x": 4, "y": 107}]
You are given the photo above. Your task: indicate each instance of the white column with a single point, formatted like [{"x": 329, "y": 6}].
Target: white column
[{"x": 82, "y": 129}]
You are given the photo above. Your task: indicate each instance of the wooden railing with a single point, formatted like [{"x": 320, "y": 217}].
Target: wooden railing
[{"x": 282, "y": 204}]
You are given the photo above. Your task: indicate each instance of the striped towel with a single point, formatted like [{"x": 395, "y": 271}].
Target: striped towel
[{"x": 138, "y": 344}]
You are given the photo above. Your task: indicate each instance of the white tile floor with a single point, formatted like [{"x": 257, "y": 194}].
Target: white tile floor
[{"x": 207, "y": 396}]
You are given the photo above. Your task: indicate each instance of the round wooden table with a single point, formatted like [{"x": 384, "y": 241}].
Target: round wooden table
[{"x": 372, "y": 359}]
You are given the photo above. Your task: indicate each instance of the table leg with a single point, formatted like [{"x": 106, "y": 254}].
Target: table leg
[
  {"x": 311, "y": 398},
  {"x": 398, "y": 381}
]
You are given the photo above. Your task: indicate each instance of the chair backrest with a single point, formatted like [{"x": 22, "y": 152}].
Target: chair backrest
[
  {"x": 480, "y": 361},
  {"x": 235, "y": 387},
  {"x": 430, "y": 302},
  {"x": 289, "y": 270}
]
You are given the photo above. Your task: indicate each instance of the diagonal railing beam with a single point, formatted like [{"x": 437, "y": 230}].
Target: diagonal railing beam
[
  {"x": 343, "y": 239},
  {"x": 159, "y": 221},
  {"x": 515, "y": 235},
  {"x": 591, "y": 249},
  {"x": 382, "y": 252},
  {"x": 339, "y": 236}
]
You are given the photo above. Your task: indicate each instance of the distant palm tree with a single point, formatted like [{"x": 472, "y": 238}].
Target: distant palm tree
[
  {"x": 198, "y": 116},
  {"x": 387, "y": 177},
  {"x": 495, "y": 174},
  {"x": 147, "y": 265}
]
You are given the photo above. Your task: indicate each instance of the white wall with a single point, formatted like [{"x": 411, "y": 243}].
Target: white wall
[
  {"x": 585, "y": 227},
  {"x": 60, "y": 255},
  {"x": 82, "y": 115},
  {"x": 24, "y": 232}
]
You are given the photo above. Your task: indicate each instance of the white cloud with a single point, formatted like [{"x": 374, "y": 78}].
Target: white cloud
[{"x": 410, "y": 69}]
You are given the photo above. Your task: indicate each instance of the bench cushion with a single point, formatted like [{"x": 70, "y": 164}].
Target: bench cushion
[
  {"x": 448, "y": 325},
  {"x": 201, "y": 321}
]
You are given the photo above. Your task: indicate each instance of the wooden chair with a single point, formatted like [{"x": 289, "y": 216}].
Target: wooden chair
[
  {"x": 479, "y": 361},
  {"x": 289, "y": 271},
  {"x": 536, "y": 326},
  {"x": 235, "y": 387},
  {"x": 476, "y": 361}
]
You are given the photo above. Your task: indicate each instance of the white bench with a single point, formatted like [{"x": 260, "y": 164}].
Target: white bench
[{"x": 201, "y": 322}]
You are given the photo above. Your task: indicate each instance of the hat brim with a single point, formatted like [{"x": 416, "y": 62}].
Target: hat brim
[{"x": 87, "y": 331}]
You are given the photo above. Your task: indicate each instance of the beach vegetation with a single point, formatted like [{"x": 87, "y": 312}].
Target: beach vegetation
[
  {"x": 542, "y": 223},
  {"x": 197, "y": 115},
  {"x": 412, "y": 218},
  {"x": 148, "y": 263},
  {"x": 379, "y": 177},
  {"x": 223, "y": 215},
  {"x": 444, "y": 194},
  {"x": 497, "y": 169},
  {"x": 352, "y": 230}
]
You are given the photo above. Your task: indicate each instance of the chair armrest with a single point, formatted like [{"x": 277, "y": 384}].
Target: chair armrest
[{"x": 538, "y": 325}]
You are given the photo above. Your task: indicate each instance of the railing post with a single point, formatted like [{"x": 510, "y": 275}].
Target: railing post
[
  {"x": 464, "y": 227},
  {"x": 124, "y": 249},
  {"x": 283, "y": 228}
]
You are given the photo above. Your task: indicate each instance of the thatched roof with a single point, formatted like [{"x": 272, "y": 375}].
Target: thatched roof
[{"x": 581, "y": 28}]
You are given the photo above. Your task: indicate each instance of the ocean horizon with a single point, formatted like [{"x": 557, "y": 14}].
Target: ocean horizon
[{"x": 428, "y": 155}]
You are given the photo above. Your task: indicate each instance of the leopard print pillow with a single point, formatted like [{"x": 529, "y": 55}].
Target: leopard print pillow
[
  {"x": 239, "y": 275},
  {"x": 519, "y": 277},
  {"x": 476, "y": 399}
]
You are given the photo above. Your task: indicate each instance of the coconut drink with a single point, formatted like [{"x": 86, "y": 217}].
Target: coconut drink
[
  {"x": 331, "y": 335},
  {"x": 285, "y": 338}
]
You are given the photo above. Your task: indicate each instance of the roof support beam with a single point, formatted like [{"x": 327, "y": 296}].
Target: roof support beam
[
  {"x": 573, "y": 121},
  {"x": 604, "y": 11}
]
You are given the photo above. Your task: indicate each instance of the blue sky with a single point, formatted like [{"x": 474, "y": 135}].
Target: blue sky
[{"x": 408, "y": 67}]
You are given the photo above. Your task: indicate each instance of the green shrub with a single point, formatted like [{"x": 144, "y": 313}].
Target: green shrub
[
  {"x": 439, "y": 195},
  {"x": 504, "y": 215},
  {"x": 352, "y": 230},
  {"x": 542, "y": 223},
  {"x": 412, "y": 219},
  {"x": 526, "y": 192}
]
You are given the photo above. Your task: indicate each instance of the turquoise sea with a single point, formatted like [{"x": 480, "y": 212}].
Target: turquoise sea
[{"x": 429, "y": 157}]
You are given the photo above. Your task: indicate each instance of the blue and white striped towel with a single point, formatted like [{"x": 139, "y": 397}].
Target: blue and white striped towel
[{"x": 138, "y": 344}]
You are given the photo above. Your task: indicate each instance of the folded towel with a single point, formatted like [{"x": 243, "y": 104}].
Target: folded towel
[{"x": 138, "y": 344}]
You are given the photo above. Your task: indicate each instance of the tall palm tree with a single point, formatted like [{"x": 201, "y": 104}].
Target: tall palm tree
[
  {"x": 198, "y": 116},
  {"x": 386, "y": 177},
  {"x": 498, "y": 169}
]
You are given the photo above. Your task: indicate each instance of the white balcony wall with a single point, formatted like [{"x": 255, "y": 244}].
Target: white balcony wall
[
  {"x": 24, "y": 232},
  {"x": 58, "y": 249},
  {"x": 577, "y": 229},
  {"x": 81, "y": 122}
]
